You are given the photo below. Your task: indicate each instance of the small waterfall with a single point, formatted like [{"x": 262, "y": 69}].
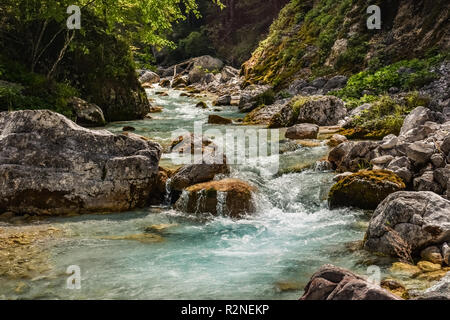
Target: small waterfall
[
  {"x": 221, "y": 203},
  {"x": 200, "y": 196},
  {"x": 168, "y": 195},
  {"x": 184, "y": 198}
]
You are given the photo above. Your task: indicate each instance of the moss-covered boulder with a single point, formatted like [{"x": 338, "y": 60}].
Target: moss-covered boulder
[
  {"x": 364, "y": 189},
  {"x": 228, "y": 197}
]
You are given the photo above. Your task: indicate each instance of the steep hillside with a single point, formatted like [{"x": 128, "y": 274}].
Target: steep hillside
[
  {"x": 327, "y": 37},
  {"x": 231, "y": 33}
]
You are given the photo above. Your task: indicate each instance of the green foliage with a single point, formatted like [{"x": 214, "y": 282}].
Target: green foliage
[
  {"x": 406, "y": 75},
  {"x": 384, "y": 117},
  {"x": 265, "y": 98},
  {"x": 196, "y": 44},
  {"x": 35, "y": 91}
]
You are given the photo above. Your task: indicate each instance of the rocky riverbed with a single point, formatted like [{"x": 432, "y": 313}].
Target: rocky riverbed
[{"x": 266, "y": 231}]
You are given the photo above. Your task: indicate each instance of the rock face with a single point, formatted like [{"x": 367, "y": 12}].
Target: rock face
[
  {"x": 88, "y": 114},
  {"x": 228, "y": 197},
  {"x": 50, "y": 166},
  {"x": 364, "y": 189},
  {"x": 303, "y": 131},
  {"x": 406, "y": 222},
  {"x": 334, "y": 283}
]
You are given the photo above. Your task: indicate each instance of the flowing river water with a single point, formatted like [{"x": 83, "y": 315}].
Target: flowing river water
[{"x": 268, "y": 255}]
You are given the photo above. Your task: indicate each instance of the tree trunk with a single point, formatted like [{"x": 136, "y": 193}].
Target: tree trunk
[{"x": 69, "y": 38}]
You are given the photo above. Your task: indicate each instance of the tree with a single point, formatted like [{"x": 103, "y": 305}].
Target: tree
[{"x": 147, "y": 21}]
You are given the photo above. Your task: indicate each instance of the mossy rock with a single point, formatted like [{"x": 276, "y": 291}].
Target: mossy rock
[
  {"x": 365, "y": 189},
  {"x": 228, "y": 197}
]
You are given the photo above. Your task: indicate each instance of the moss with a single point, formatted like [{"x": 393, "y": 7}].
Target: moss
[
  {"x": 385, "y": 117},
  {"x": 365, "y": 189}
]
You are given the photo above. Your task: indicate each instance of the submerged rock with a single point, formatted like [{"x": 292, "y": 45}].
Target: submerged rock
[
  {"x": 215, "y": 119},
  {"x": 364, "y": 189},
  {"x": 334, "y": 283},
  {"x": 408, "y": 221},
  {"x": 50, "y": 166},
  {"x": 228, "y": 197}
]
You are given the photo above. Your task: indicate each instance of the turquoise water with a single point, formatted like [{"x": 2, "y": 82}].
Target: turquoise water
[{"x": 292, "y": 234}]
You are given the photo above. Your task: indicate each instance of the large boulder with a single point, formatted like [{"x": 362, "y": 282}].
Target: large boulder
[
  {"x": 51, "y": 166},
  {"x": 334, "y": 283},
  {"x": 406, "y": 222},
  {"x": 207, "y": 63},
  {"x": 263, "y": 114},
  {"x": 87, "y": 114},
  {"x": 320, "y": 110},
  {"x": 302, "y": 131},
  {"x": 149, "y": 77},
  {"x": 228, "y": 197},
  {"x": 364, "y": 189}
]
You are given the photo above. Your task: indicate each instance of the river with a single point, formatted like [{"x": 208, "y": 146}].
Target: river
[{"x": 268, "y": 255}]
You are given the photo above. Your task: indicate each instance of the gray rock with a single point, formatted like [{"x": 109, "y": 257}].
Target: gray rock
[
  {"x": 296, "y": 86},
  {"x": 405, "y": 174},
  {"x": 189, "y": 175},
  {"x": 417, "y": 117},
  {"x": 303, "y": 131},
  {"x": 389, "y": 142},
  {"x": 426, "y": 183},
  {"x": 442, "y": 176},
  {"x": 438, "y": 160},
  {"x": 208, "y": 63},
  {"x": 322, "y": 110},
  {"x": 408, "y": 221},
  {"x": 358, "y": 110},
  {"x": 440, "y": 291},
  {"x": 432, "y": 254},
  {"x": 336, "y": 82},
  {"x": 308, "y": 91},
  {"x": 87, "y": 114},
  {"x": 445, "y": 249},
  {"x": 381, "y": 161},
  {"x": 223, "y": 101},
  {"x": 336, "y": 140},
  {"x": 359, "y": 155},
  {"x": 338, "y": 153},
  {"x": 420, "y": 152},
  {"x": 341, "y": 176},
  {"x": 319, "y": 83},
  {"x": 51, "y": 166},
  {"x": 228, "y": 73},
  {"x": 149, "y": 77},
  {"x": 445, "y": 146},
  {"x": 334, "y": 283}
]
